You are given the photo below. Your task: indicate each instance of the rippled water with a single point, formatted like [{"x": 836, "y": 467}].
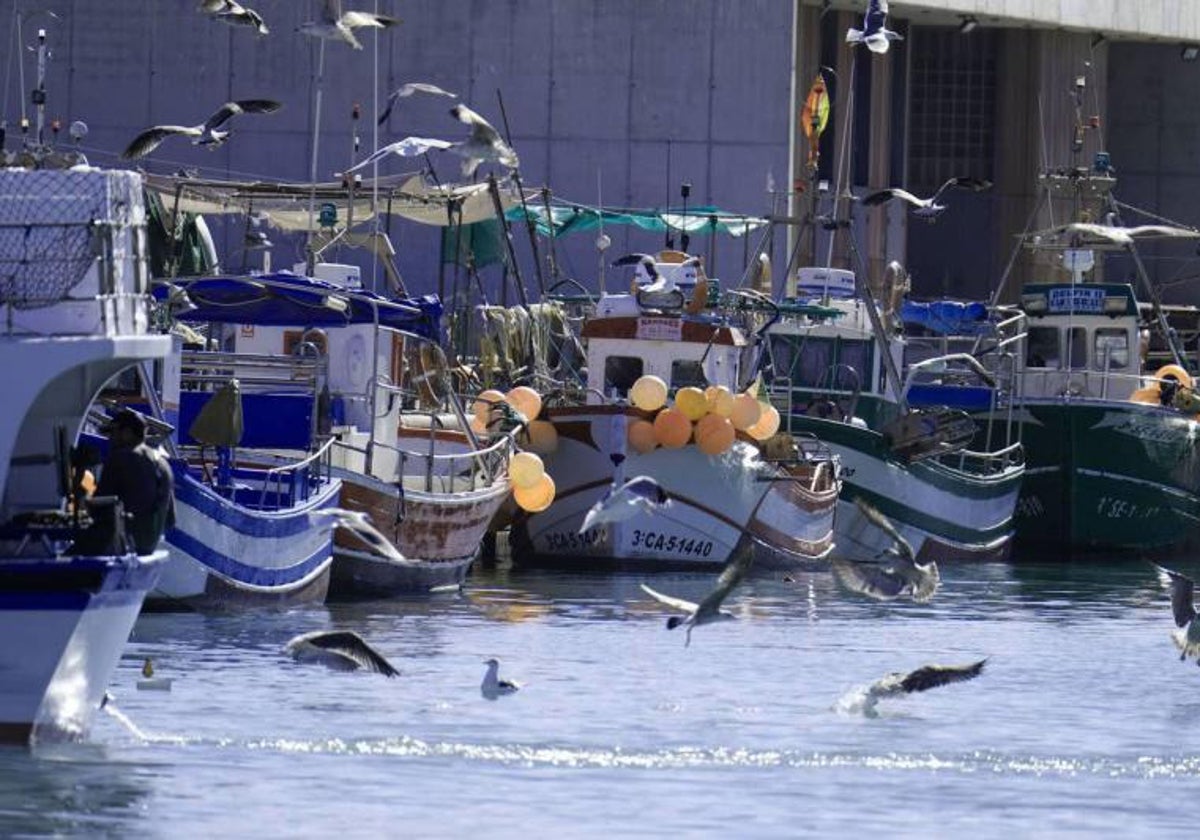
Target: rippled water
[{"x": 1084, "y": 720}]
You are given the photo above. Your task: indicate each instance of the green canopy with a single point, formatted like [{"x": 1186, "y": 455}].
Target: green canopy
[{"x": 576, "y": 218}]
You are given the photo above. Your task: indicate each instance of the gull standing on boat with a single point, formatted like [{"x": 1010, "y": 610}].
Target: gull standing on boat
[
  {"x": 359, "y": 524},
  {"x": 647, "y": 267},
  {"x": 484, "y": 145},
  {"x": 339, "y": 25},
  {"x": 925, "y": 208},
  {"x": 708, "y": 610},
  {"x": 874, "y": 33},
  {"x": 905, "y": 576},
  {"x": 900, "y": 683},
  {"x": 341, "y": 650},
  {"x": 1187, "y": 637},
  {"x": 620, "y": 502},
  {"x": 407, "y": 90},
  {"x": 234, "y": 14},
  {"x": 492, "y": 686},
  {"x": 208, "y": 133}
]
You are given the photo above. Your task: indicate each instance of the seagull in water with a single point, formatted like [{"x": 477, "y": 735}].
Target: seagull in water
[
  {"x": 359, "y": 524},
  {"x": 624, "y": 501},
  {"x": 408, "y": 147},
  {"x": 483, "y": 145},
  {"x": 708, "y": 610},
  {"x": 208, "y": 133},
  {"x": 339, "y": 25},
  {"x": 874, "y": 33},
  {"x": 925, "y": 208},
  {"x": 492, "y": 686},
  {"x": 905, "y": 576},
  {"x": 407, "y": 90},
  {"x": 900, "y": 683},
  {"x": 1187, "y": 637},
  {"x": 341, "y": 650},
  {"x": 235, "y": 14}
]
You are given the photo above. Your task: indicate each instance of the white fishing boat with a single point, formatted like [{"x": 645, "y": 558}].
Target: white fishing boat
[
  {"x": 75, "y": 313},
  {"x": 775, "y": 496}
]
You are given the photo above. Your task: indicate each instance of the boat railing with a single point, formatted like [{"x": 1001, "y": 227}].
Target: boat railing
[
  {"x": 297, "y": 475},
  {"x": 211, "y": 369},
  {"x": 985, "y": 463}
]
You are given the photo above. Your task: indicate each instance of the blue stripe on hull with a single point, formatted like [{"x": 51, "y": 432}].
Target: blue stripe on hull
[
  {"x": 243, "y": 573},
  {"x": 253, "y": 523},
  {"x": 76, "y": 583}
]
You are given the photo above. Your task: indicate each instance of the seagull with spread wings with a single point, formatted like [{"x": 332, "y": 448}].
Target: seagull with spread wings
[
  {"x": 1086, "y": 232},
  {"x": 874, "y": 34},
  {"x": 359, "y": 524},
  {"x": 234, "y": 14},
  {"x": 484, "y": 145},
  {"x": 408, "y": 147},
  {"x": 408, "y": 89},
  {"x": 904, "y": 576},
  {"x": 900, "y": 683},
  {"x": 1187, "y": 637},
  {"x": 708, "y": 610},
  {"x": 623, "y": 501},
  {"x": 341, "y": 650},
  {"x": 208, "y": 133},
  {"x": 925, "y": 208},
  {"x": 336, "y": 24}
]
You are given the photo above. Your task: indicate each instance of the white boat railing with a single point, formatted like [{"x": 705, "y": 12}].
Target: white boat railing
[{"x": 273, "y": 477}]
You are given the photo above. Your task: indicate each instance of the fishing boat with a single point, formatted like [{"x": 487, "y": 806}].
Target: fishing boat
[
  {"x": 896, "y": 415},
  {"x": 75, "y": 313},
  {"x": 729, "y": 491}
]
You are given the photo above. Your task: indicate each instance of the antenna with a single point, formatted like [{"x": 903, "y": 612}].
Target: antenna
[
  {"x": 669, "y": 240},
  {"x": 685, "y": 190},
  {"x": 39, "y": 93}
]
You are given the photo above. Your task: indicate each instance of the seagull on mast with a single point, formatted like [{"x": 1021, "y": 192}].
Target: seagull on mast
[
  {"x": 1187, "y": 637},
  {"x": 408, "y": 89},
  {"x": 483, "y": 145},
  {"x": 900, "y": 683},
  {"x": 336, "y": 24},
  {"x": 208, "y": 133},
  {"x": 709, "y": 609},
  {"x": 874, "y": 33},
  {"x": 341, "y": 650},
  {"x": 905, "y": 576},
  {"x": 925, "y": 208},
  {"x": 623, "y": 501},
  {"x": 234, "y": 14}
]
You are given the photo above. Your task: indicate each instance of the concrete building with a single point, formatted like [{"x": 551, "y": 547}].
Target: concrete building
[{"x": 620, "y": 102}]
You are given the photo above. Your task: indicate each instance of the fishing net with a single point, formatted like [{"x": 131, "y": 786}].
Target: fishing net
[{"x": 53, "y": 228}]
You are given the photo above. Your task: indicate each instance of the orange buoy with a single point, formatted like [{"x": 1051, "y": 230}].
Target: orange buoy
[
  {"x": 525, "y": 400},
  {"x": 478, "y": 426},
  {"x": 649, "y": 393},
  {"x": 640, "y": 434},
  {"x": 767, "y": 425},
  {"x": 672, "y": 429},
  {"x": 746, "y": 411},
  {"x": 1174, "y": 372},
  {"x": 536, "y": 498},
  {"x": 714, "y": 434},
  {"x": 525, "y": 469},
  {"x": 692, "y": 402},
  {"x": 483, "y": 403},
  {"x": 719, "y": 399},
  {"x": 1150, "y": 395},
  {"x": 541, "y": 437}
]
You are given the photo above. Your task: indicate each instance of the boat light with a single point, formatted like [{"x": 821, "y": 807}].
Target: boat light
[
  {"x": 1114, "y": 305},
  {"x": 337, "y": 304},
  {"x": 1034, "y": 304}
]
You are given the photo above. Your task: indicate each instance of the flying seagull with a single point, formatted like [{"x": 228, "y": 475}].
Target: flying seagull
[
  {"x": 208, "y": 133},
  {"x": 647, "y": 266},
  {"x": 408, "y": 147},
  {"x": 341, "y": 650},
  {"x": 708, "y": 610},
  {"x": 492, "y": 686},
  {"x": 904, "y": 576},
  {"x": 1187, "y": 637},
  {"x": 1083, "y": 233},
  {"x": 484, "y": 145},
  {"x": 926, "y": 208},
  {"x": 900, "y": 683},
  {"x": 359, "y": 524},
  {"x": 409, "y": 89},
  {"x": 623, "y": 501},
  {"x": 235, "y": 14},
  {"x": 339, "y": 25},
  {"x": 874, "y": 33}
]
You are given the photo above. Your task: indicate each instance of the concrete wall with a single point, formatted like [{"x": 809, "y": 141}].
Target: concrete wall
[
  {"x": 596, "y": 93},
  {"x": 1174, "y": 20}
]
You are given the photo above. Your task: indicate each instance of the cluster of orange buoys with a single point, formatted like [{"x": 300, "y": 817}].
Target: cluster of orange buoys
[
  {"x": 533, "y": 488},
  {"x": 711, "y": 417}
]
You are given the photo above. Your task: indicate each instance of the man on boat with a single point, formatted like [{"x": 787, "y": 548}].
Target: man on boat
[{"x": 140, "y": 477}]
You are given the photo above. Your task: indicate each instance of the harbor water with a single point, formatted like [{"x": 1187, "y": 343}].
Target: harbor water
[{"x": 1084, "y": 721}]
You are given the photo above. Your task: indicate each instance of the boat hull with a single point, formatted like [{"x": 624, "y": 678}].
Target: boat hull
[
  {"x": 1109, "y": 475},
  {"x": 224, "y": 555},
  {"x": 74, "y": 616}
]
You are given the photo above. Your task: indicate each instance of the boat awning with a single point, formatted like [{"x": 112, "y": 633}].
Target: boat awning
[
  {"x": 286, "y": 299},
  {"x": 566, "y": 217}
]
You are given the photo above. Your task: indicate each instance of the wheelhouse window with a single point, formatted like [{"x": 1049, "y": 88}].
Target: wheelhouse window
[
  {"x": 854, "y": 366},
  {"x": 1111, "y": 348},
  {"x": 685, "y": 372},
  {"x": 620, "y": 372},
  {"x": 1041, "y": 348},
  {"x": 1079, "y": 348},
  {"x": 813, "y": 360}
]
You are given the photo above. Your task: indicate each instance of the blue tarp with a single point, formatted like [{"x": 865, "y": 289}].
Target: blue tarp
[
  {"x": 286, "y": 299},
  {"x": 947, "y": 317}
]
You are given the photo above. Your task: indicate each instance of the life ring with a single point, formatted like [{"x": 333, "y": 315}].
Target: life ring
[{"x": 1174, "y": 372}]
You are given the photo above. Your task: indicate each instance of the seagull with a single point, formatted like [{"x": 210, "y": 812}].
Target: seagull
[
  {"x": 408, "y": 147},
  {"x": 407, "y": 90},
  {"x": 898, "y": 683},
  {"x": 484, "y": 145},
  {"x": 905, "y": 576},
  {"x": 492, "y": 686},
  {"x": 1187, "y": 637},
  {"x": 1124, "y": 235},
  {"x": 708, "y": 610},
  {"x": 338, "y": 25},
  {"x": 647, "y": 267},
  {"x": 358, "y": 523},
  {"x": 624, "y": 501},
  {"x": 874, "y": 33},
  {"x": 341, "y": 650},
  {"x": 235, "y": 14},
  {"x": 926, "y": 208},
  {"x": 208, "y": 133}
]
